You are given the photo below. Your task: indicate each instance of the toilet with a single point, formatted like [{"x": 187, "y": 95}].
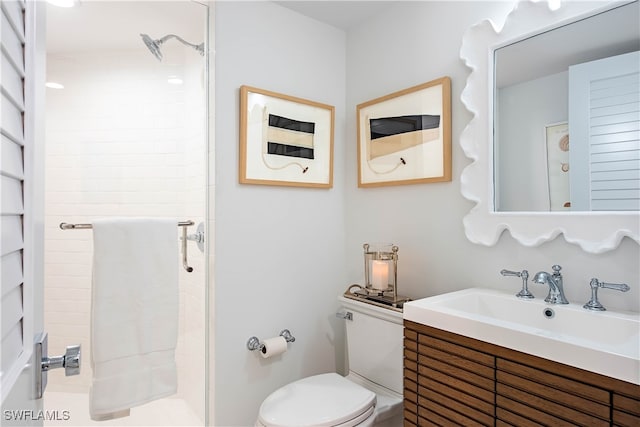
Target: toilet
[{"x": 370, "y": 395}]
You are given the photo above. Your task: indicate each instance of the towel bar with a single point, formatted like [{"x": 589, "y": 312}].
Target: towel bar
[
  {"x": 67, "y": 226},
  {"x": 183, "y": 224}
]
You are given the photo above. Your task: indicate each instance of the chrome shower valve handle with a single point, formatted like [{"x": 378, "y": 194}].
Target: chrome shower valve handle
[{"x": 70, "y": 361}]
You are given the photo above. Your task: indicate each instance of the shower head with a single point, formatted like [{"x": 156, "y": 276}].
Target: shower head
[{"x": 154, "y": 45}]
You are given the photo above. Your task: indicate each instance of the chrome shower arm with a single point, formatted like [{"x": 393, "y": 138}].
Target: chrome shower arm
[
  {"x": 198, "y": 47},
  {"x": 154, "y": 45}
]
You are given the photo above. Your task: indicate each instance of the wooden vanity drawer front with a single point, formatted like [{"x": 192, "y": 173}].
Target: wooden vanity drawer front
[
  {"x": 626, "y": 411},
  {"x": 553, "y": 397},
  {"x": 410, "y": 407},
  {"x": 456, "y": 384},
  {"x": 520, "y": 415},
  {"x": 543, "y": 409},
  {"x": 626, "y": 404},
  {"x": 410, "y": 378},
  {"x": 549, "y": 397},
  {"x": 624, "y": 419},
  {"x": 411, "y": 345},
  {"x": 409, "y": 355},
  {"x": 507, "y": 418},
  {"x": 456, "y": 379},
  {"x": 440, "y": 410},
  {"x": 449, "y": 349},
  {"x": 553, "y": 380},
  {"x": 454, "y": 364},
  {"x": 456, "y": 357},
  {"x": 475, "y": 398},
  {"x": 410, "y": 335},
  {"x": 429, "y": 418}
]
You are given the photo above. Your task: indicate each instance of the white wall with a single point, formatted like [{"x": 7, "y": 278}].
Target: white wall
[
  {"x": 279, "y": 252},
  {"x": 274, "y": 270},
  {"x": 524, "y": 110},
  {"x": 413, "y": 43}
]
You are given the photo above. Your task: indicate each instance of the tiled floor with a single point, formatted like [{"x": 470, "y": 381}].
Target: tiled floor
[{"x": 72, "y": 409}]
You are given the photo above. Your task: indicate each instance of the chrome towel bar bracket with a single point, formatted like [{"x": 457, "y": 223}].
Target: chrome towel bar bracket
[
  {"x": 185, "y": 263},
  {"x": 198, "y": 237}
]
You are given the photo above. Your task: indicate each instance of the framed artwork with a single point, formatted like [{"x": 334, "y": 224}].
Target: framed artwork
[
  {"x": 405, "y": 137},
  {"x": 557, "y": 144},
  {"x": 285, "y": 140}
]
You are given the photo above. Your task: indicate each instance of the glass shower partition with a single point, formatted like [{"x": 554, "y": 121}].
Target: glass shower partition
[{"x": 126, "y": 135}]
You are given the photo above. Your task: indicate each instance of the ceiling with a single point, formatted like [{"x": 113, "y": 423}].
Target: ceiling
[
  {"x": 93, "y": 24},
  {"x": 340, "y": 14},
  {"x": 603, "y": 35}
]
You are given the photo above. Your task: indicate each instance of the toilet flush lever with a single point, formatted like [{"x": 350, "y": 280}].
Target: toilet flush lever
[{"x": 345, "y": 315}]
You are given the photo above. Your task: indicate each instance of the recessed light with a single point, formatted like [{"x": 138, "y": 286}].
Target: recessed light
[
  {"x": 555, "y": 4},
  {"x": 63, "y": 3},
  {"x": 54, "y": 85},
  {"x": 174, "y": 80}
]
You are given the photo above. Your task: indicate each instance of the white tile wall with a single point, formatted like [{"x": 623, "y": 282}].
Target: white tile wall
[{"x": 121, "y": 141}]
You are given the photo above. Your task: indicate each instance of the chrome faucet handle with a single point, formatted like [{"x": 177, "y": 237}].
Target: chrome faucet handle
[
  {"x": 556, "y": 270},
  {"x": 524, "y": 274},
  {"x": 595, "y": 284}
]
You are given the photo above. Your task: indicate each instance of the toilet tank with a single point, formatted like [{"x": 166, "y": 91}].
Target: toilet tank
[{"x": 374, "y": 343}]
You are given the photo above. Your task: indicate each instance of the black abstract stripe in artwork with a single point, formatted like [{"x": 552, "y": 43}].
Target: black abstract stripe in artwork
[
  {"x": 291, "y": 124},
  {"x": 289, "y": 150},
  {"x": 288, "y": 144},
  {"x": 388, "y": 126}
]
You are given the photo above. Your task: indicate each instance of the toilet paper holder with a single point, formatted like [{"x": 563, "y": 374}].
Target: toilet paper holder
[{"x": 255, "y": 344}]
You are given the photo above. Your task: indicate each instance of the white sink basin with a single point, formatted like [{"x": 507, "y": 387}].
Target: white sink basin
[{"x": 606, "y": 342}]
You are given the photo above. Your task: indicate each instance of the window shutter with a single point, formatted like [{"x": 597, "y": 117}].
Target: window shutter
[
  {"x": 12, "y": 107},
  {"x": 604, "y": 121}
]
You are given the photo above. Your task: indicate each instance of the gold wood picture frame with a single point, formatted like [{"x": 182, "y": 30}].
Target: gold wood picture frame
[
  {"x": 285, "y": 140},
  {"x": 405, "y": 137}
]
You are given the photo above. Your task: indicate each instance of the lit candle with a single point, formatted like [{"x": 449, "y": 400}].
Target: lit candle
[{"x": 380, "y": 274}]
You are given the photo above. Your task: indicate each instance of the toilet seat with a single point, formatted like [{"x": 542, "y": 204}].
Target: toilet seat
[{"x": 320, "y": 400}]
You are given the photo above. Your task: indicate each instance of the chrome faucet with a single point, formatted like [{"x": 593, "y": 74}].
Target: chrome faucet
[{"x": 556, "y": 291}]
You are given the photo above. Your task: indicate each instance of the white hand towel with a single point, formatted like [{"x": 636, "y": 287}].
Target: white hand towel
[{"x": 134, "y": 313}]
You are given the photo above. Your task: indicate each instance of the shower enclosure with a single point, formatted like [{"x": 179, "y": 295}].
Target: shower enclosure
[{"x": 126, "y": 135}]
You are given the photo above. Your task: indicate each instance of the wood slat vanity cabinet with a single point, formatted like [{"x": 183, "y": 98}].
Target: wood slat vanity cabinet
[{"x": 451, "y": 379}]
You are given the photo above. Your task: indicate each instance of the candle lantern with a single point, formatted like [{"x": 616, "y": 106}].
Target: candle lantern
[
  {"x": 380, "y": 268},
  {"x": 380, "y": 277}
]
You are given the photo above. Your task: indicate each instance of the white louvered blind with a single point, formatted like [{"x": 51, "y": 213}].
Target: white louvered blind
[
  {"x": 12, "y": 107},
  {"x": 612, "y": 138}
]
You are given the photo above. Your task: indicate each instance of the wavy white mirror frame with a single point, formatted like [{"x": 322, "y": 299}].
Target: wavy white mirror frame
[{"x": 595, "y": 232}]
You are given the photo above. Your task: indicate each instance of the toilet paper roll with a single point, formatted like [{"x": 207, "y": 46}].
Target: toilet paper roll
[{"x": 273, "y": 347}]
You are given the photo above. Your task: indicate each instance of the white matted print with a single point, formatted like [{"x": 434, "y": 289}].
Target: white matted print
[
  {"x": 405, "y": 137},
  {"x": 285, "y": 140}
]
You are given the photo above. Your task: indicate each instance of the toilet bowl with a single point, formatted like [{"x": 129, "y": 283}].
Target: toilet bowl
[{"x": 370, "y": 395}]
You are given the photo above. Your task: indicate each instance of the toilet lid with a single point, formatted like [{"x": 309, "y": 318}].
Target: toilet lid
[{"x": 320, "y": 400}]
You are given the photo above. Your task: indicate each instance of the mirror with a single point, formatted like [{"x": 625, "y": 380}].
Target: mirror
[
  {"x": 538, "y": 110},
  {"x": 595, "y": 232}
]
